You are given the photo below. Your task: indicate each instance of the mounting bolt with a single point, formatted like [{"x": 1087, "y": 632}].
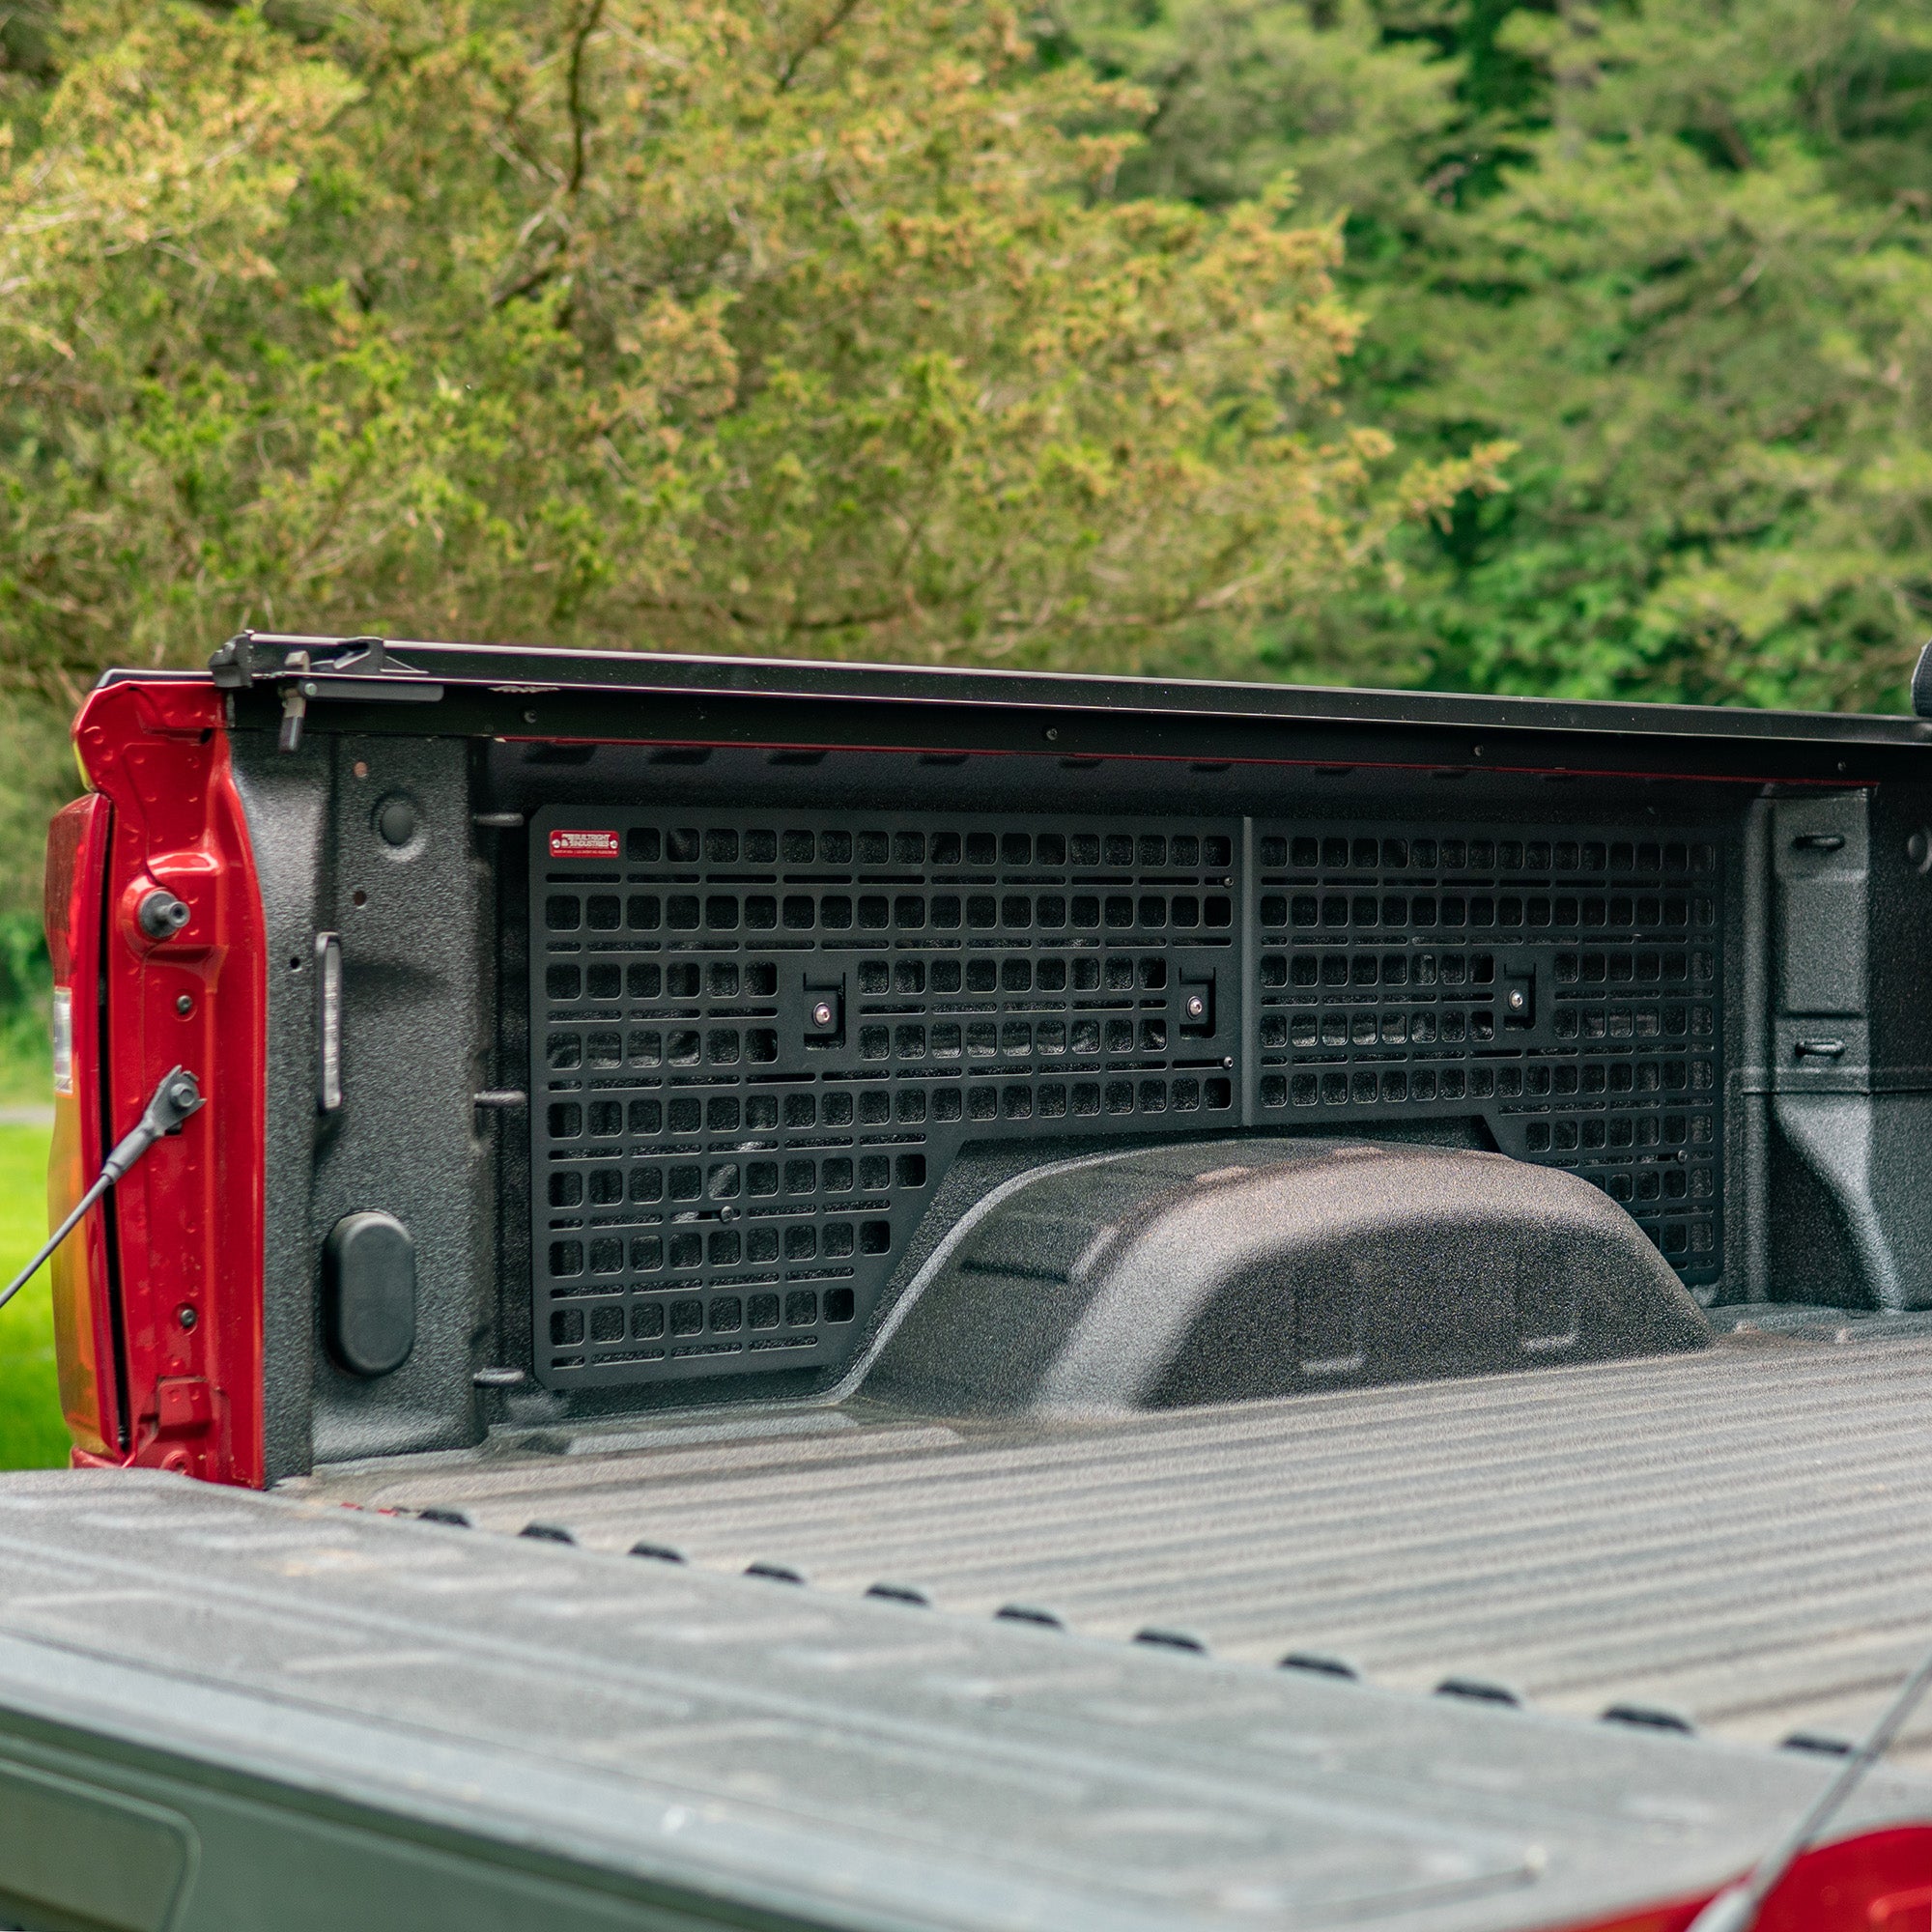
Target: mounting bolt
[
  {"x": 1197, "y": 1006},
  {"x": 1052, "y": 735},
  {"x": 186, "y": 1316},
  {"x": 160, "y": 915},
  {"x": 184, "y": 1005},
  {"x": 821, "y": 1013},
  {"x": 1518, "y": 1000}
]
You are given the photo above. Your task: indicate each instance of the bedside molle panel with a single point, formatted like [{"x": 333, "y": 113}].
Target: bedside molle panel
[
  {"x": 1565, "y": 985},
  {"x": 761, "y": 1038}
]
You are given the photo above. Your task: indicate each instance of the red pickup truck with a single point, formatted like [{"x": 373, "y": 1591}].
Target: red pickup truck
[{"x": 807, "y": 1294}]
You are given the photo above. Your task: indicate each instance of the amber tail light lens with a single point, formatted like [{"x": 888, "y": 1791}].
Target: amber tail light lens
[{"x": 83, "y": 1313}]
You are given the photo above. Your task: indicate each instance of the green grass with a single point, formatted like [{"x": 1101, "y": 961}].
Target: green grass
[
  {"x": 26, "y": 1062},
  {"x": 32, "y": 1433}
]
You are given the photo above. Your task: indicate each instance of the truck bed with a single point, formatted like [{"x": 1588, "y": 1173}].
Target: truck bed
[
  {"x": 737, "y": 1202},
  {"x": 262, "y": 1712},
  {"x": 1737, "y": 1542}
]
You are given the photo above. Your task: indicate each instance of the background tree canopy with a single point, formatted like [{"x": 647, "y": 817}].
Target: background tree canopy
[{"x": 1453, "y": 342}]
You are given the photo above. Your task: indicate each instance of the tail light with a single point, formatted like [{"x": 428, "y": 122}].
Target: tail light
[
  {"x": 87, "y": 1335},
  {"x": 1877, "y": 1881}
]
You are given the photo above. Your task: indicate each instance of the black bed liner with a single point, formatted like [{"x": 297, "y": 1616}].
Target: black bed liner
[{"x": 1739, "y": 1541}]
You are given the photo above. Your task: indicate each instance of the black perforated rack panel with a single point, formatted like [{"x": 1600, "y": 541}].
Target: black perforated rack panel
[{"x": 761, "y": 1038}]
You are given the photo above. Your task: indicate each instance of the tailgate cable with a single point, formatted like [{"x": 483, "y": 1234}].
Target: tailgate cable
[
  {"x": 177, "y": 1096},
  {"x": 1736, "y": 1908}
]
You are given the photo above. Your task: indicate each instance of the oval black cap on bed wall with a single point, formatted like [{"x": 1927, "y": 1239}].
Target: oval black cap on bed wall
[{"x": 369, "y": 1293}]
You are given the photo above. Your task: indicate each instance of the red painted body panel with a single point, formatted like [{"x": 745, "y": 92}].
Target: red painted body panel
[
  {"x": 187, "y": 1224},
  {"x": 1878, "y": 1881}
]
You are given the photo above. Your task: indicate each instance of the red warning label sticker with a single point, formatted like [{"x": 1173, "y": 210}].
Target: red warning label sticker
[{"x": 582, "y": 844}]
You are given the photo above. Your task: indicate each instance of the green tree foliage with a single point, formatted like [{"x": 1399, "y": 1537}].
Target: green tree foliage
[
  {"x": 1127, "y": 334},
  {"x": 1678, "y": 251},
  {"x": 648, "y": 323}
]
